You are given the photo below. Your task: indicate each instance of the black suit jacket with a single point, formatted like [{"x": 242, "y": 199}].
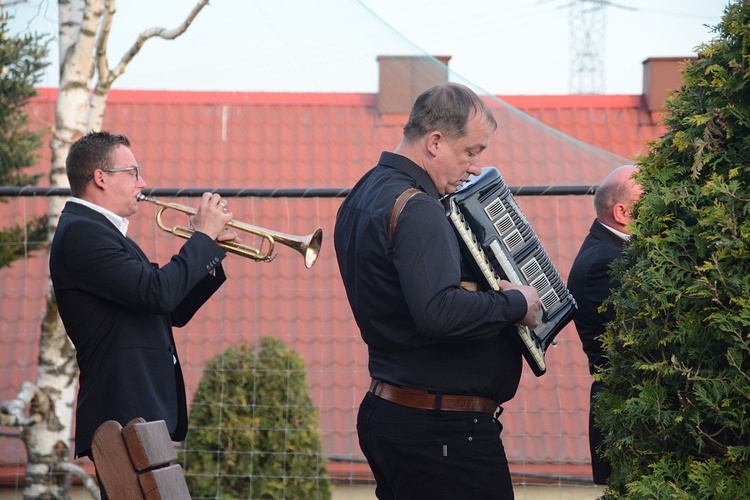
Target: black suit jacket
[
  {"x": 118, "y": 310},
  {"x": 590, "y": 283}
]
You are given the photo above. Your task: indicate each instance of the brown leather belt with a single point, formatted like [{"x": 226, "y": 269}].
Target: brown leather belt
[{"x": 423, "y": 400}]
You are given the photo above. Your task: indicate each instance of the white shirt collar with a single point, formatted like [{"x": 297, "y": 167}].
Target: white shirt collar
[
  {"x": 121, "y": 223},
  {"x": 624, "y": 236}
]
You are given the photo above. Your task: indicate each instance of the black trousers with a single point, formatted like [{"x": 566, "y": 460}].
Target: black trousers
[{"x": 417, "y": 454}]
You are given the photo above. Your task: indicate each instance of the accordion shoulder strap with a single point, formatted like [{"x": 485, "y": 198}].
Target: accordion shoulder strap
[{"x": 398, "y": 207}]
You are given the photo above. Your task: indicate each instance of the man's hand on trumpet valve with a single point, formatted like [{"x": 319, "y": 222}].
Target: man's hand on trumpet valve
[
  {"x": 229, "y": 234},
  {"x": 211, "y": 218}
]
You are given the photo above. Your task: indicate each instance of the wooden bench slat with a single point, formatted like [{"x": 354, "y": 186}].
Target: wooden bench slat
[
  {"x": 136, "y": 462},
  {"x": 167, "y": 483},
  {"x": 149, "y": 445},
  {"x": 113, "y": 465}
]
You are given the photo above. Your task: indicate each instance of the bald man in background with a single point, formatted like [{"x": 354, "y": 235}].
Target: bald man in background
[{"x": 591, "y": 284}]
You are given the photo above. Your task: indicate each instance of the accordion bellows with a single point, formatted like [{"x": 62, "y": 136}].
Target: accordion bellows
[{"x": 500, "y": 241}]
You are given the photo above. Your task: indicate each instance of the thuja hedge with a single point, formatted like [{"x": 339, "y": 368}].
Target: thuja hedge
[
  {"x": 253, "y": 428},
  {"x": 676, "y": 409}
]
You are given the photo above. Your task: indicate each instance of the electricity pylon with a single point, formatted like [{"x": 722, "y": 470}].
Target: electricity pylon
[{"x": 588, "y": 23}]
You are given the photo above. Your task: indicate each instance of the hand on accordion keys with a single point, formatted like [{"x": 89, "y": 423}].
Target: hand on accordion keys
[{"x": 533, "y": 303}]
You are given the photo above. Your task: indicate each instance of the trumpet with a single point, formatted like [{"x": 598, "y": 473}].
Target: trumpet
[{"x": 308, "y": 246}]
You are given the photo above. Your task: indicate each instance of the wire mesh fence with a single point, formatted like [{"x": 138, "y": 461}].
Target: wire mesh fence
[{"x": 306, "y": 310}]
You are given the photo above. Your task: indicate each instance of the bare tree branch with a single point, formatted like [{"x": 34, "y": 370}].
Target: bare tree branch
[
  {"x": 101, "y": 43},
  {"x": 159, "y": 32},
  {"x": 107, "y": 76},
  {"x": 80, "y": 473},
  {"x": 12, "y": 412}
]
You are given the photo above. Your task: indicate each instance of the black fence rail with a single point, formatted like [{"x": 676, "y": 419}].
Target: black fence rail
[{"x": 32, "y": 191}]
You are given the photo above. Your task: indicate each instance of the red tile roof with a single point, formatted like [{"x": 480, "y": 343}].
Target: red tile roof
[{"x": 301, "y": 140}]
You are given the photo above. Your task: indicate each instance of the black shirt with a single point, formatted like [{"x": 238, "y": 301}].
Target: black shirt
[{"x": 422, "y": 330}]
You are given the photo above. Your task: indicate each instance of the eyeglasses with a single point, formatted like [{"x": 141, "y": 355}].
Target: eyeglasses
[{"x": 122, "y": 169}]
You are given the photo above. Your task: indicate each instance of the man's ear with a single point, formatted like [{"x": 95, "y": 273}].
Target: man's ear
[
  {"x": 434, "y": 142},
  {"x": 621, "y": 214},
  {"x": 100, "y": 180}
]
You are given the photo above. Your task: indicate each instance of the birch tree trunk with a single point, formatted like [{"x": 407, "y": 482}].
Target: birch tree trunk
[
  {"x": 47, "y": 442},
  {"x": 83, "y": 34}
]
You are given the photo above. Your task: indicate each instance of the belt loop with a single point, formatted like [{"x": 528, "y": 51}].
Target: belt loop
[
  {"x": 374, "y": 385},
  {"x": 438, "y": 402}
]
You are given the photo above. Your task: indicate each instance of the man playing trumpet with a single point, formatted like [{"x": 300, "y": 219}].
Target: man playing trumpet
[{"x": 118, "y": 308}]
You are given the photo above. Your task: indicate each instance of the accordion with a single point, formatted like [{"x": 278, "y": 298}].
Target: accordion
[{"x": 499, "y": 240}]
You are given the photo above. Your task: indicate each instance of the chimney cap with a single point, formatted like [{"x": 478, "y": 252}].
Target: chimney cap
[{"x": 442, "y": 59}]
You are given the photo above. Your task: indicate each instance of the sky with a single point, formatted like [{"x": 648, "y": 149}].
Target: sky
[{"x": 503, "y": 47}]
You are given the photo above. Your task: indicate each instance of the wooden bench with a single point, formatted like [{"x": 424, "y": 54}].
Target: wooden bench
[{"x": 137, "y": 461}]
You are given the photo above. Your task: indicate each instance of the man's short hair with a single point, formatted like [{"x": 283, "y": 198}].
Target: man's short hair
[
  {"x": 93, "y": 150},
  {"x": 446, "y": 107}
]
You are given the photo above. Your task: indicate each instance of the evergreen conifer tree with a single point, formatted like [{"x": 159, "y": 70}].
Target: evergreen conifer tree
[
  {"x": 22, "y": 61},
  {"x": 253, "y": 428},
  {"x": 676, "y": 409}
]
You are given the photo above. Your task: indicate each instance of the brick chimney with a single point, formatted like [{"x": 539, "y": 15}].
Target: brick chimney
[
  {"x": 403, "y": 78},
  {"x": 660, "y": 76}
]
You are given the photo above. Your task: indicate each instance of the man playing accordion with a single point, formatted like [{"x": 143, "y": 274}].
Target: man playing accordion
[{"x": 442, "y": 358}]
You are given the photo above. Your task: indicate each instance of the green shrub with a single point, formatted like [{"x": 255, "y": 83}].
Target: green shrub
[
  {"x": 253, "y": 428},
  {"x": 676, "y": 409}
]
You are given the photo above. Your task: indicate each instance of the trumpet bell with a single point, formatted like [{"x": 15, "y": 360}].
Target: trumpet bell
[{"x": 311, "y": 247}]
